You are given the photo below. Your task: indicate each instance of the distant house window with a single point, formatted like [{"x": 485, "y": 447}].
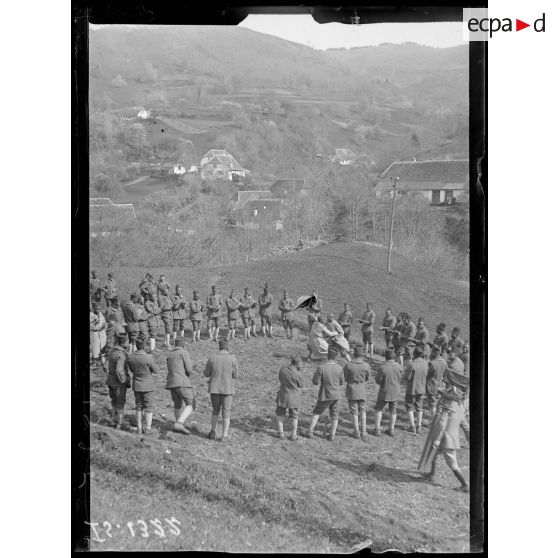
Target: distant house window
[
  {"x": 264, "y": 206},
  {"x": 255, "y": 212}
]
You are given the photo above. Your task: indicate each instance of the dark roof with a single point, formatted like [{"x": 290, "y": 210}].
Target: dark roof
[
  {"x": 287, "y": 187},
  {"x": 245, "y": 195},
  {"x": 430, "y": 171}
]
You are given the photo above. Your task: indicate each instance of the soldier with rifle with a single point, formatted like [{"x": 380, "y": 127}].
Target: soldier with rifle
[
  {"x": 232, "y": 305},
  {"x": 196, "y": 315},
  {"x": 286, "y": 307},
  {"x": 165, "y": 305},
  {"x": 153, "y": 311},
  {"x": 178, "y": 313},
  {"x": 248, "y": 313},
  {"x": 214, "y": 305}
]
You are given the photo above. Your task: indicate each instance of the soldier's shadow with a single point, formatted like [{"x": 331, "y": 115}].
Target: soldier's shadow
[{"x": 380, "y": 472}]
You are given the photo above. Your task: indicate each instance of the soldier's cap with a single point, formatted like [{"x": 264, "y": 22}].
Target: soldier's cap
[
  {"x": 389, "y": 354},
  {"x": 164, "y": 291},
  {"x": 122, "y": 339},
  {"x": 411, "y": 343},
  {"x": 419, "y": 348},
  {"x": 179, "y": 341},
  {"x": 139, "y": 344},
  {"x": 223, "y": 344},
  {"x": 115, "y": 299},
  {"x": 332, "y": 353}
]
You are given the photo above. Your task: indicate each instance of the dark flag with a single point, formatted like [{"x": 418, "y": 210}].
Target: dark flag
[{"x": 305, "y": 301}]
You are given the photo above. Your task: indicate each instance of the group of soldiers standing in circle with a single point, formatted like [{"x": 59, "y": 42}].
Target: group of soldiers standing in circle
[{"x": 125, "y": 330}]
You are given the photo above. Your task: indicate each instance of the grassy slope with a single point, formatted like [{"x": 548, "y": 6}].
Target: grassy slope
[{"x": 310, "y": 494}]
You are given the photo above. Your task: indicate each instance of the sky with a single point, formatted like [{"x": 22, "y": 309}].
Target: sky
[{"x": 302, "y": 28}]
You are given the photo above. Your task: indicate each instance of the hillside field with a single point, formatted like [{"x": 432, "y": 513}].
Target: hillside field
[{"x": 255, "y": 492}]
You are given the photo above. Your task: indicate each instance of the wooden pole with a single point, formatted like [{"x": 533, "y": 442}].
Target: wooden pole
[{"x": 390, "y": 245}]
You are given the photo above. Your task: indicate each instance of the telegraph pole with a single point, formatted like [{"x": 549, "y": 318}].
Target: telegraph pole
[{"x": 390, "y": 245}]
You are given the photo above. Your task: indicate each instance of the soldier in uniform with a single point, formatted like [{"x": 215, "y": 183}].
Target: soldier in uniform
[
  {"x": 441, "y": 337},
  {"x": 196, "y": 309},
  {"x": 388, "y": 325},
  {"x": 178, "y": 313},
  {"x": 95, "y": 289},
  {"x": 97, "y": 333},
  {"x": 409, "y": 331},
  {"x": 115, "y": 319},
  {"x": 436, "y": 368},
  {"x": 286, "y": 307},
  {"x": 146, "y": 285},
  {"x": 389, "y": 380},
  {"x": 329, "y": 376},
  {"x": 398, "y": 347},
  {"x": 415, "y": 375},
  {"x": 179, "y": 366},
  {"x": 367, "y": 321},
  {"x": 222, "y": 370},
  {"x": 162, "y": 285},
  {"x": 446, "y": 443},
  {"x": 314, "y": 309},
  {"x": 422, "y": 335},
  {"x": 455, "y": 344},
  {"x": 110, "y": 289},
  {"x": 153, "y": 311},
  {"x": 248, "y": 313},
  {"x": 131, "y": 317},
  {"x": 118, "y": 379},
  {"x": 142, "y": 366},
  {"x": 346, "y": 320},
  {"x": 143, "y": 333},
  {"x": 165, "y": 305},
  {"x": 356, "y": 374},
  {"x": 265, "y": 300},
  {"x": 288, "y": 396},
  {"x": 232, "y": 305},
  {"x": 214, "y": 305}
]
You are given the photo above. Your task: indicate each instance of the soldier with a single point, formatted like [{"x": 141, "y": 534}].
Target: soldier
[
  {"x": 143, "y": 333},
  {"x": 178, "y": 313},
  {"x": 118, "y": 379},
  {"x": 455, "y": 363},
  {"x": 314, "y": 310},
  {"x": 421, "y": 334},
  {"x": 388, "y": 324},
  {"x": 346, "y": 320},
  {"x": 397, "y": 333},
  {"x": 264, "y": 301},
  {"x": 389, "y": 380},
  {"x": 146, "y": 285},
  {"x": 232, "y": 305},
  {"x": 110, "y": 289},
  {"x": 115, "y": 321},
  {"x": 446, "y": 442},
  {"x": 179, "y": 366},
  {"x": 153, "y": 311},
  {"x": 367, "y": 321},
  {"x": 222, "y": 370},
  {"x": 436, "y": 368},
  {"x": 162, "y": 285},
  {"x": 356, "y": 374},
  {"x": 214, "y": 305},
  {"x": 415, "y": 375},
  {"x": 329, "y": 376},
  {"x": 95, "y": 289},
  {"x": 196, "y": 309},
  {"x": 97, "y": 334},
  {"x": 455, "y": 344},
  {"x": 248, "y": 313},
  {"x": 286, "y": 307},
  {"x": 131, "y": 317},
  {"x": 165, "y": 305},
  {"x": 409, "y": 331},
  {"x": 142, "y": 367},
  {"x": 441, "y": 337},
  {"x": 288, "y": 396}
]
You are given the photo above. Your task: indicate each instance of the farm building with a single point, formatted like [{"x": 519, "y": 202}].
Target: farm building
[
  {"x": 218, "y": 163},
  {"x": 253, "y": 208},
  {"x": 144, "y": 114},
  {"x": 344, "y": 157},
  {"x": 289, "y": 188},
  {"x": 440, "y": 182},
  {"x": 178, "y": 169}
]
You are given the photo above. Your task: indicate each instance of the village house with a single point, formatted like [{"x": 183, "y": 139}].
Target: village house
[
  {"x": 144, "y": 114},
  {"x": 441, "y": 182},
  {"x": 344, "y": 157},
  {"x": 254, "y": 208},
  {"x": 289, "y": 188},
  {"x": 178, "y": 169},
  {"x": 218, "y": 163}
]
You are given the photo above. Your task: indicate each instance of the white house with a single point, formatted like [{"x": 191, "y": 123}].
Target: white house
[
  {"x": 144, "y": 114},
  {"x": 218, "y": 163},
  {"x": 178, "y": 169}
]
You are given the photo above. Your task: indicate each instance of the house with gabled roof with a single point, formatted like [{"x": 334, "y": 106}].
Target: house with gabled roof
[
  {"x": 288, "y": 188},
  {"x": 344, "y": 157},
  {"x": 218, "y": 163},
  {"x": 254, "y": 208},
  {"x": 441, "y": 182}
]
